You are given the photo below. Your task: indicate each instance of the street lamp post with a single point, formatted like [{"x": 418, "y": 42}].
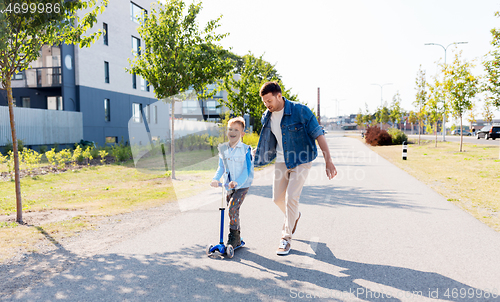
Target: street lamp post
[
  {"x": 337, "y": 102},
  {"x": 381, "y": 99},
  {"x": 444, "y": 107}
]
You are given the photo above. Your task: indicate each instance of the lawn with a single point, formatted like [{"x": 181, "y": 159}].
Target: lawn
[
  {"x": 470, "y": 179},
  {"x": 95, "y": 192}
]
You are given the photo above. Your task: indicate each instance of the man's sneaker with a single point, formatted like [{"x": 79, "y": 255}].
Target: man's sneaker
[
  {"x": 284, "y": 247},
  {"x": 295, "y": 226},
  {"x": 234, "y": 238}
]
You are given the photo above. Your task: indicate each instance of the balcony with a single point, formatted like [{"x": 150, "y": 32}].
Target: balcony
[{"x": 43, "y": 77}]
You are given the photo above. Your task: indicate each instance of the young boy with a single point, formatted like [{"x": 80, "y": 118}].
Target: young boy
[{"x": 235, "y": 163}]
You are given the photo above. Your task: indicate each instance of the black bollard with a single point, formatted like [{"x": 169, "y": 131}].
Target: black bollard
[{"x": 405, "y": 150}]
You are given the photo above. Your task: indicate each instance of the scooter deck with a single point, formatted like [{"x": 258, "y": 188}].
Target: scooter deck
[
  {"x": 242, "y": 244},
  {"x": 222, "y": 248}
]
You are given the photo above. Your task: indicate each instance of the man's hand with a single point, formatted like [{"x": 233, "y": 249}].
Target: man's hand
[
  {"x": 233, "y": 184},
  {"x": 331, "y": 171},
  {"x": 214, "y": 183}
]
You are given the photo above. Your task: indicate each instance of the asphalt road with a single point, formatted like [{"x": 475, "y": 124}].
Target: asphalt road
[{"x": 372, "y": 234}]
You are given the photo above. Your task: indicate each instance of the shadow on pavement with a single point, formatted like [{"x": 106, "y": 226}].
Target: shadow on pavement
[
  {"x": 387, "y": 283},
  {"x": 185, "y": 275},
  {"x": 330, "y": 196}
]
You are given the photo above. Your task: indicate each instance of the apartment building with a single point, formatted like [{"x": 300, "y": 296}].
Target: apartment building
[{"x": 93, "y": 80}]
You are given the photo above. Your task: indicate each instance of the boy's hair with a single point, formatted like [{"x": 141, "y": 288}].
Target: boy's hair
[
  {"x": 237, "y": 120},
  {"x": 270, "y": 87}
]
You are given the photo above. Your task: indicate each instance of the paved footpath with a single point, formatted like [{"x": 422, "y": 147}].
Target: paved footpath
[{"x": 372, "y": 234}]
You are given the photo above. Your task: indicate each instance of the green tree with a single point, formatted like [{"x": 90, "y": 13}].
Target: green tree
[
  {"x": 396, "y": 112},
  {"x": 359, "y": 118},
  {"x": 461, "y": 86},
  {"x": 22, "y": 35},
  {"x": 421, "y": 98},
  {"x": 488, "y": 111},
  {"x": 491, "y": 64},
  {"x": 412, "y": 119},
  {"x": 435, "y": 104},
  {"x": 471, "y": 115},
  {"x": 243, "y": 85},
  {"x": 179, "y": 56},
  {"x": 382, "y": 115},
  {"x": 368, "y": 118}
]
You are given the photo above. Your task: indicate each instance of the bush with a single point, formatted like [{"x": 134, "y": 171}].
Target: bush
[
  {"x": 398, "y": 136},
  {"x": 121, "y": 152},
  {"x": 376, "y": 137},
  {"x": 10, "y": 147},
  {"x": 251, "y": 139}
]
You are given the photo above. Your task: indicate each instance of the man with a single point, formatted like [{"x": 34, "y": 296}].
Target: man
[{"x": 289, "y": 131}]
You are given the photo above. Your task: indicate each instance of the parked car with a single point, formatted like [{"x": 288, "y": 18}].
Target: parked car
[
  {"x": 457, "y": 132},
  {"x": 488, "y": 132}
]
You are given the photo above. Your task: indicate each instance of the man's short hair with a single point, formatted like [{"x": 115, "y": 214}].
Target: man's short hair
[
  {"x": 270, "y": 87},
  {"x": 237, "y": 120}
]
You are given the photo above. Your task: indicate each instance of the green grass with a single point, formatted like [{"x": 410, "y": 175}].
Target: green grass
[
  {"x": 470, "y": 179},
  {"x": 99, "y": 191}
]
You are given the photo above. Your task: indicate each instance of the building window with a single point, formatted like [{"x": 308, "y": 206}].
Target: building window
[
  {"x": 211, "y": 105},
  {"x": 137, "y": 112},
  {"x": 146, "y": 113},
  {"x": 18, "y": 75},
  {"x": 134, "y": 81},
  {"x": 111, "y": 139},
  {"x": 105, "y": 36},
  {"x": 55, "y": 103},
  {"x": 107, "y": 112},
  {"x": 26, "y": 102},
  {"x": 136, "y": 12},
  {"x": 155, "y": 114},
  {"x": 211, "y": 88},
  {"x": 190, "y": 107},
  {"x": 144, "y": 85},
  {"x": 106, "y": 72},
  {"x": 136, "y": 45}
]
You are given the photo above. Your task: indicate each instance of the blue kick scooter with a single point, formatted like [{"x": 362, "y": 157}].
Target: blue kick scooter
[{"x": 229, "y": 249}]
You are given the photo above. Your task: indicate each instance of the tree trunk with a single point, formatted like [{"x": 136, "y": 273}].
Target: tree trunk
[
  {"x": 461, "y": 133},
  {"x": 419, "y": 129},
  {"x": 172, "y": 141},
  {"x": 436, "y": 133},
  {"x": 19, "y": 203}
]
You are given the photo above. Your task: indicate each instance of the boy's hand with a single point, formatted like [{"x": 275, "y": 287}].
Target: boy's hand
[
  {"x": 253, "y": 152},
  {"x": 214, "y": 183},
  {"x": 233, "y": 184}
]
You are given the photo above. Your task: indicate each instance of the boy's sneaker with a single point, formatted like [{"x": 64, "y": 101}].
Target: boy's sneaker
[
  {"x": 295, "y": 226},
  {"x": 284, "y": 247},
  {"x": 234, "y": 238}
]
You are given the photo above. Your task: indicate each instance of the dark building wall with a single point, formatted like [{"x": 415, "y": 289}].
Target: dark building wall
[
  {"x": 38, "y": 97},
  {"x": 69, "y": 93},
  {"x": 95, "y": 128}
]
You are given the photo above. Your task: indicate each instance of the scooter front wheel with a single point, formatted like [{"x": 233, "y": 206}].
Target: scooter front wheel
[
  {"x": 230, "y": 251},
  {"x": 209, "y": 247}
]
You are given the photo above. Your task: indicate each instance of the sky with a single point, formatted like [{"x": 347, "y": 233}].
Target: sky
[{"x": 343, "y": 47}]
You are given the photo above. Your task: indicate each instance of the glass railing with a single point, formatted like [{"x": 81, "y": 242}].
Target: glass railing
[{"x": 43, "y": 77}]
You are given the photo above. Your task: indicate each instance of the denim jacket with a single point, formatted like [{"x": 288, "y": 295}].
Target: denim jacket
[
  {"x": 239, "y": 165},
  {"x": 299, "y": 130}
]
